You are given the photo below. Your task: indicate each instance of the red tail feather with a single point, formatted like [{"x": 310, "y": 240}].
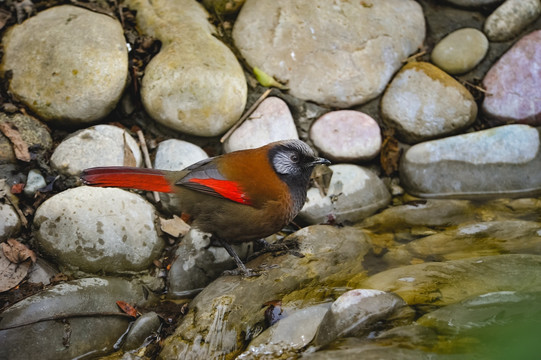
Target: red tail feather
[{"x": 127, "y": 177}]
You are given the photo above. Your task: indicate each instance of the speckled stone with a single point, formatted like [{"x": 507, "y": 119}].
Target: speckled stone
[
  {"x": 69, "y": 64},
  {"x": 97, "y": 229},
  {"x": 423, "y": 102},
  {"x": 510, "y": 18}
]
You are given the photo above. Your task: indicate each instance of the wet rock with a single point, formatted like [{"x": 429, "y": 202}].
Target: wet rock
[
  {"x": 69, "y": 64},
  {"x": 443, "y": 283},
  {"x": 423, "y": 102},
  {"x": 488, "y": 163},
  {"x": 174, "y": 154},
  {"x": 338, "y": 54},
  {"x": 331, "y": 255},
  {"x": 355, "y": 313},
  {"x": 346, "y": 136},
  {"x": 361, "y": 350},
  {"x": 69, "y": 319},
  {"x": 514, "y": 83},
  {"x": 288, "y": 335},
  {"x": 197, "y": 263},
  {"x": 97, "y": 230},
  {"x": 41, "y": 272},
  {"x": 460, "y": 51},
  {"x": 143, "y": 327},
  {"x": 33, "y": 133},
  {"x": 10, "y": 224},
  {"x": 194, "y": 84},
  {"x": 100, "y": 145},
  {"x": 510, "y": 18},
  {"x": 271, "y": 121},
  {"x": 34, "y": 182},
  {"x": 471, "y": 240},
  {"x": 474, "y": 3},
  {"x": 354, "y": 194},
  {"x": 481, "y": 311}
]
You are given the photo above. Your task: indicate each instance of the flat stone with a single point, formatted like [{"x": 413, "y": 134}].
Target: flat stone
[
  {"x": 510, "y": 18},
  {"x": 488, "y": 163},
  {"x": 90, "y": 313},
  {"x": 346, "y": 136},
  {"x": 423, "y": 102},
  {"x": 460, "y": 51},
  {"x": 333, "y": 53},
  {"x": 69, "y": 64},
  {"x": 271, "y": 121},
  {"x": 97, "y": 230},
  {"x": 354, "y": 194},
  {"x": 194, "y": 84},
  {"x": 100, "y": 145},
  {"x": 444, "y": 283},
  {"x": 513, "y": 84}
]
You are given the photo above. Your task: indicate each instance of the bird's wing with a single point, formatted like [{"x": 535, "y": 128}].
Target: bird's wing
[{"x": 205, "y": 177}]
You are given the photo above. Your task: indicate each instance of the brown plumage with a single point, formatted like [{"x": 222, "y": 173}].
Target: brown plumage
[{"x": 238, "y": 197}]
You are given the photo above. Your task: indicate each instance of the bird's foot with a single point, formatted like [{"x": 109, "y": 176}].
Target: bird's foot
[{"x": 278, "y": 248}]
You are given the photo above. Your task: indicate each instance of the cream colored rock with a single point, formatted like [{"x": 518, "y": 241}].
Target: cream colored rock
[
  {"x": 337, "y": 53},
  {"x": 194, "y": 84},
  {"x": 460, "y": 51},
  {"x": 423, "y": 102},
  {"x": 510, "y": 18},
  {"x": 69, "y": 64}
]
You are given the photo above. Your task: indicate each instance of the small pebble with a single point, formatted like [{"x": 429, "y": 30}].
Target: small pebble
[{"x": 460, "y": 51}]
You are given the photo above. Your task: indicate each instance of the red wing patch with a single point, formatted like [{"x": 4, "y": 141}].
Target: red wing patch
[{"x": 228, "y": 189}]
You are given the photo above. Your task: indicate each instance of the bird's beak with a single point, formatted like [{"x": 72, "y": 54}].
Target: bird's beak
[{"x": 318, "y": 161}]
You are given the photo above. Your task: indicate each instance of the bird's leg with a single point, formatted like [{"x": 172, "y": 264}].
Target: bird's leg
[{"x": 241, "y": 268}]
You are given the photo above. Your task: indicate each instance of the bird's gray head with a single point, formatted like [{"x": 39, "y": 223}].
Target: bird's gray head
[{"x": 293, "y": 161}]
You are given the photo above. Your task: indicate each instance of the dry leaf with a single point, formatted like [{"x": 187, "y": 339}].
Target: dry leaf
[
  {"x": 20, "y": 147},
  {"x": 390, "y": 155},
  {"x": 11, "y": 274},
  {"x": 175, "y": 226},
  {"x": 321, "y": 177},
  {"x": 129, "y": 158},
  {"x": 127, "y": 308},
  {"x": 17, "y": 252}
]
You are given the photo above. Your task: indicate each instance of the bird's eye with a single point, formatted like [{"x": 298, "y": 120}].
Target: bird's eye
[{"x": 294, "y": 158}]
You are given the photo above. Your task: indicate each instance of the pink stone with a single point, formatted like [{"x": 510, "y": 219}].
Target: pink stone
[
  {"x": 346, "y": 135},
  {"x": 513, "y": 84}
]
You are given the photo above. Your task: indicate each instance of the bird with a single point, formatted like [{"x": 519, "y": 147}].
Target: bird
[{"x": 237, "y": 197}]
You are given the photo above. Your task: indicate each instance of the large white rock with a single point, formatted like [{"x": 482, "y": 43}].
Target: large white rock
[
  {"x": 195, "y": 83},
  {"x": 98, "y": 229},
  {"x": 338, "y": 53},
  {"x": 69, "y": 64}
]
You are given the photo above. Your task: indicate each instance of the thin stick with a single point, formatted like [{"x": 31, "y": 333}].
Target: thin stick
[
  {"x": 246, "y": 114},
  {"x": 148, "y": 164}
]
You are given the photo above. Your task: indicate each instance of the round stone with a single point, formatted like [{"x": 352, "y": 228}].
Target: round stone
[
  {"x": 100, "y": 145},
  {"x": 174, "y": 154},
  {"x": 460, "y": 51},
  {"x": 423, "y": 102},
  {"x": 68, "y": 64},
  {"x": 346, "y": 136},
  {"x": 98, "y": 229}
]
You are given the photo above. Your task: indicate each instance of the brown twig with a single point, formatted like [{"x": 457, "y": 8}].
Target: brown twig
[{"x": 148, "y": 164}]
